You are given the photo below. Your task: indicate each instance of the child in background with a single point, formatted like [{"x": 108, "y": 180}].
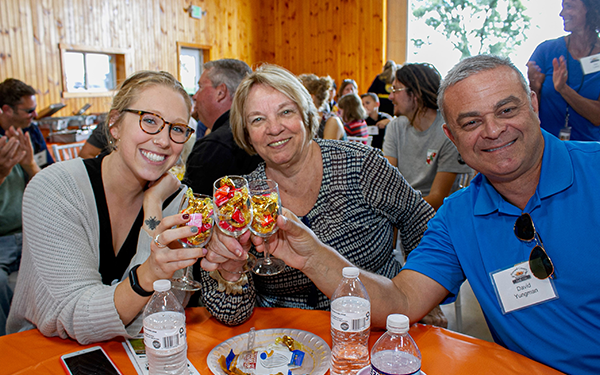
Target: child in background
[
  {"x": 353, "y": 114},
  {"x": 370, "y": 102}
]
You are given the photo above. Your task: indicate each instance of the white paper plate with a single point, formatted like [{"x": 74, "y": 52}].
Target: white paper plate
[{"x": 316, "y": 359}]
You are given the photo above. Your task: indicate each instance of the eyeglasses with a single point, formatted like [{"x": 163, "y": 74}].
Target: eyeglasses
[
  {"x": 28, "y": 111},
  {"x": 539, "y": 262},
  {"x": 151, "y": 123},
  {"x": 394, "y": 90}
]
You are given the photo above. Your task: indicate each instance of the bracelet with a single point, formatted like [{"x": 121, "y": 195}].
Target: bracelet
[
  {"x": 135, "y": 285},
  {"x": 229, "y": 287}
]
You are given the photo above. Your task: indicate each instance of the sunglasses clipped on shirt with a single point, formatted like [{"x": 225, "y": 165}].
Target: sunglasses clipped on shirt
[{"x": 539, "y": 262}]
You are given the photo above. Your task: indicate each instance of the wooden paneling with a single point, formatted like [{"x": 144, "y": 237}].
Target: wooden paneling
[
  {"x": 342, "y": 38},
  {"x": 31, "y": 30},
  {"x": 397, "y": 30}
]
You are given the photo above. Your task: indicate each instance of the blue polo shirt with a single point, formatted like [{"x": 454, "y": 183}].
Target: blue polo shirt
[{"x": 472, "y": 236}]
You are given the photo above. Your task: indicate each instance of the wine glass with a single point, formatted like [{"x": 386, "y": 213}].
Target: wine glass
[
  {"x": 231, "y": 199},
  {"x": 266, "y": 206},
  {"x": 200, "y": 209}
]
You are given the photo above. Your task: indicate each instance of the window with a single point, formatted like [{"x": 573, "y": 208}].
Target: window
[
  {"x": 88, "y": 72},
  {"x": 437, "y": 50},
  {"x": 191, "y": 59}
]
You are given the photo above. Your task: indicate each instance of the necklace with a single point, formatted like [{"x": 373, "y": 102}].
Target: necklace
[{"x": 591, "y": 49}]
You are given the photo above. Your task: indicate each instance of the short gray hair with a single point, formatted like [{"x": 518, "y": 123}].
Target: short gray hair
[
  {"x": 473, "y": 65},
  {"x": 281, "y": 80},
  {"x": 227, "y": 71}
]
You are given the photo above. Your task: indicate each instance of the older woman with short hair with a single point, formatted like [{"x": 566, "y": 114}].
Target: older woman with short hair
[{"x": 347, "y": 193}]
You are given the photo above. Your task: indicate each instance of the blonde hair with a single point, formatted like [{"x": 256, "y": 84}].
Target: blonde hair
[
  {"x": 353, "y": 109},
  {"x": 131, "y": 88},
  {"x": 389, "y": 70},
  {"x": 281, "y": 80},
  {"x": 318, "y": 87}
]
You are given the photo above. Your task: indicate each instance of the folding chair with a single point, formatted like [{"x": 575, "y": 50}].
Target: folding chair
[{"x": 67, "y": 151}]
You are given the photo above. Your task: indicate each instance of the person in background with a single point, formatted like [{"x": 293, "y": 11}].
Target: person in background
[
  {"x": 96, "y": 232},
  {"x": 330, "y": 125},
  {"x": 348, "y": 86},
  {"x": 564, "y": 76},
  {"x": 415, "y": 141},
  {"x": 370, "y": 102},
  {"x": 353, "y": 114},
  {"x": 332, "y": 96},
  {"x": 23, "y": 152},
  {"x": 381, "y": 87},
  {"x": 95, "y": 143},
  {"x": 216, "y": 154},
  {"x": 345, "y": 191},
  {"x": 539, "y": 297}
]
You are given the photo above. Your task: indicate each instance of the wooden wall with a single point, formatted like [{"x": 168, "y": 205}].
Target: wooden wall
[
  {"x": 342, "y": 38},
  {"x": 31, "y": 30}
]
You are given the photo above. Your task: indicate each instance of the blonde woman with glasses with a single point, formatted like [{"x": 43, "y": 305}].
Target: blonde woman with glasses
[{"x": 97, "y": 231}]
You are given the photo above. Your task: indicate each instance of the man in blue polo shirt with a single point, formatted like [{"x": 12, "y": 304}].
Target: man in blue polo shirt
[
  {"x": 524, "y": 233},
  {"x": 23, "y": 152}
]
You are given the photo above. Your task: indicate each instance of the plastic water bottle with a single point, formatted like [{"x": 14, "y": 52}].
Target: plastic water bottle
[
  {"x": 164, "y": 332},
  {"x": 395, "y": 353},
  {"x": 350, "y": 325}
]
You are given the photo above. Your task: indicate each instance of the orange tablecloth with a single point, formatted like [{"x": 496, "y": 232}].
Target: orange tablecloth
[{"x": 444, "y": 352}]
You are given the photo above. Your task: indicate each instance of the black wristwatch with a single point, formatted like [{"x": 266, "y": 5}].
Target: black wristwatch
[{"x": 135, "y": 285}]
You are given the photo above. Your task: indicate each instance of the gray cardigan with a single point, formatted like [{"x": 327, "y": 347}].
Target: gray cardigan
[{"x": 59, "y": 289}]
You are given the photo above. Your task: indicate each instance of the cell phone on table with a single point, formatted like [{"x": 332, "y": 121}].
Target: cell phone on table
[{"x": 89, "y": 361}]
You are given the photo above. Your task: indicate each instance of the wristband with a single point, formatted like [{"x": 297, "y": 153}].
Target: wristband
[{"x": 135, "y": 285}]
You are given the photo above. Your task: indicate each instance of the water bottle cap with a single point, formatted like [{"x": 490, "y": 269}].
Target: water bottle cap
[
  {"x": 398, "y": 323},
  {"x": 162, "y": 285},
  {"x": 350, "y": 272}
]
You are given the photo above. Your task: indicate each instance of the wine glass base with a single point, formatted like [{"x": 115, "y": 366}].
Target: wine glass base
[
  {"x": 185, "y": 284},
  {"x": 262, "y": 268}
]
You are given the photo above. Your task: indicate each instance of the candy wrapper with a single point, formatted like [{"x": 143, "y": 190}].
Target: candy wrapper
[
  {"x": 279, "y": 358},
  {"x": 201, "y": 212},
  {"x": 264, "y": 213},
  {"x": 233, "y": 210}
]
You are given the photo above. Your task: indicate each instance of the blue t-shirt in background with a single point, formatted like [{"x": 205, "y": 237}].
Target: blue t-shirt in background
[{"x": 553, "y": 107}]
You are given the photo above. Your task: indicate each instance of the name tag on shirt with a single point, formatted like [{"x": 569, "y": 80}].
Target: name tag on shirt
[
  {"x": 517, "y": 288},
  {"x": 41, "y": 158},
  {"x": 590, "y": 64}
]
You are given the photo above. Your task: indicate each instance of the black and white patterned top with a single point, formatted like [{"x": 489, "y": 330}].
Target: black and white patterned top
[{"x": 362, "y": 198}]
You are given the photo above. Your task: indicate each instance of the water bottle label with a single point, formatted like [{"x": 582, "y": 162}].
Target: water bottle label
[
  {"x": 164, "y": 339},
  {"x": 374, "y": 371},
  {"x": 355, "y": 321},
  {"x": 386, "y": 362}
]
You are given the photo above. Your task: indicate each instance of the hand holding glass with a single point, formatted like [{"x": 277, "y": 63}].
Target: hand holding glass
[
  {"x": 200, "y": 209},
  {"x": 266, "y": 207},
  {"x": 232, "y": 205}
]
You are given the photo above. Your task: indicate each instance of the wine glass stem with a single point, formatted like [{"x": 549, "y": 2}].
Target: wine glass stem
[
  {"x": 186, "y": 274},
  {"x": 267, "y": 254}
]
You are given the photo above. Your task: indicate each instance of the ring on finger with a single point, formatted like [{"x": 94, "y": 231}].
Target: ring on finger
[{"x": 158, "y": 243}]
